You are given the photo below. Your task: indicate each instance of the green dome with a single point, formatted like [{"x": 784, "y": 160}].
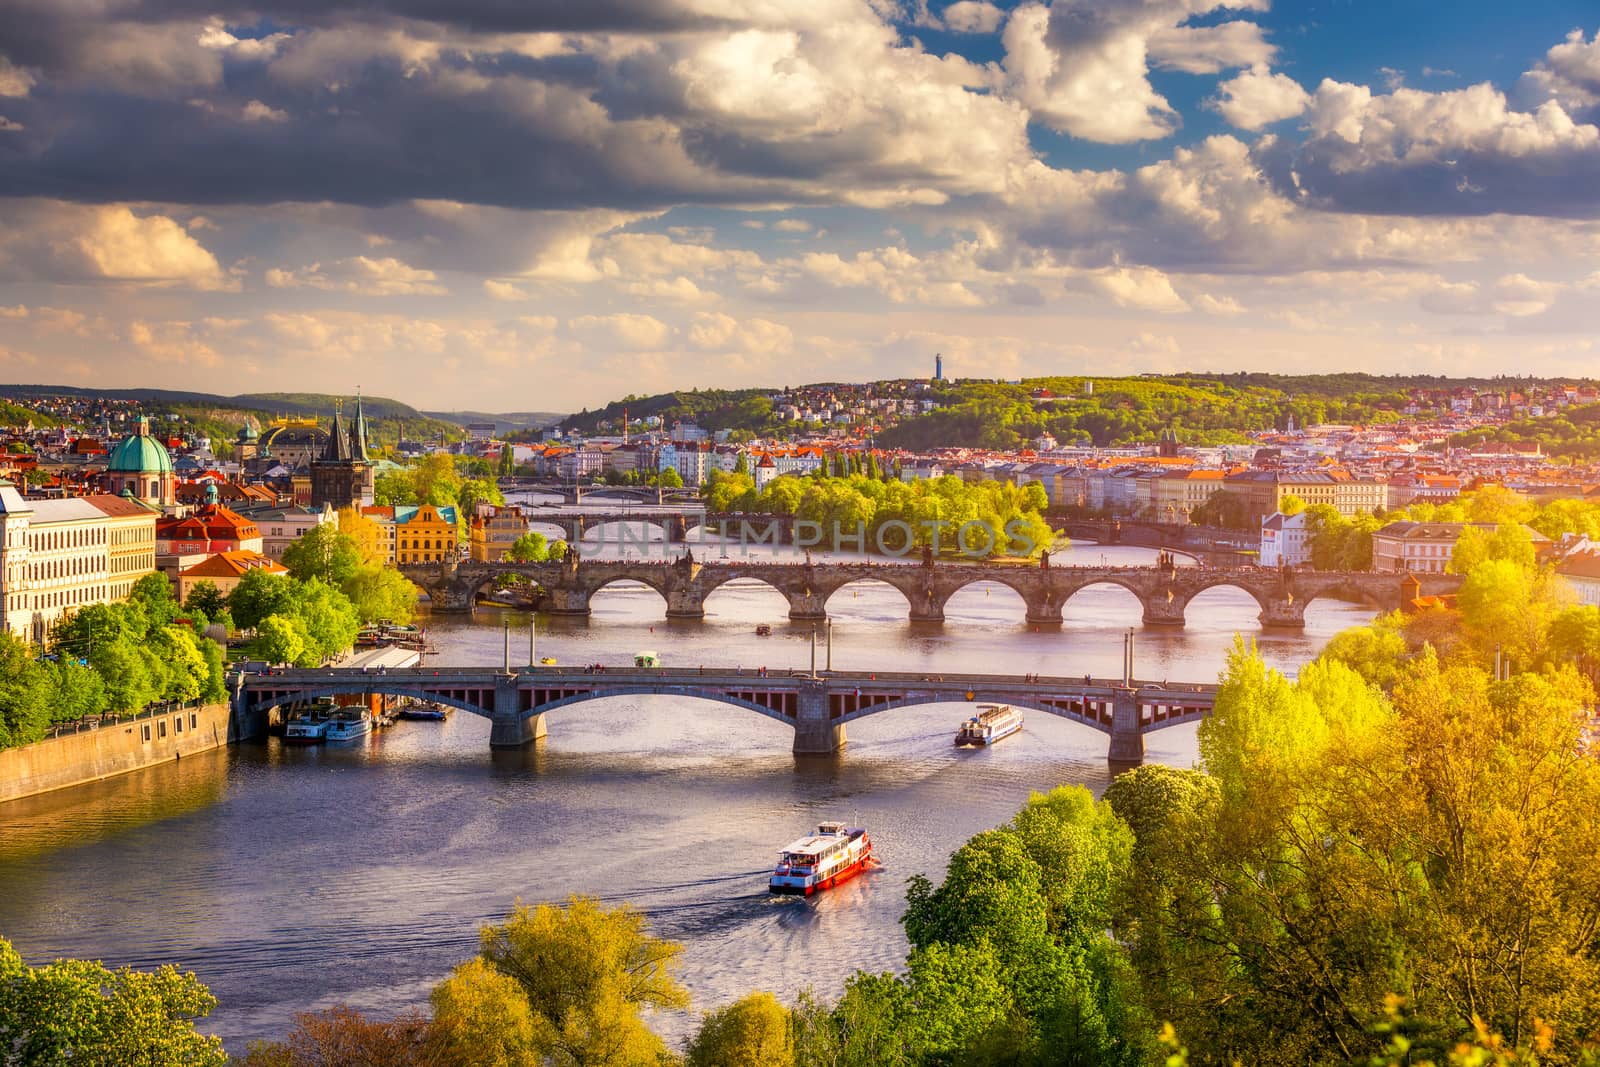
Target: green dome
[
  {"x": 140, "y": 454},
  {"x": 248, "y": 433}
]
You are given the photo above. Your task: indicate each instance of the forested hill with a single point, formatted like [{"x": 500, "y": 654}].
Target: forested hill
[
  {"x": 713, "y": 409},
  {"x": 1202, "y": 408}
]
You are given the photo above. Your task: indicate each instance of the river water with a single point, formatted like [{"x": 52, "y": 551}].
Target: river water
[{"x": 292, "y": 879}]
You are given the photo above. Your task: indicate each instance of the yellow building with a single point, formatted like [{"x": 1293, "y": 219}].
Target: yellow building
[
  {"x": 130, "y": 541},
  {"x": 1175, "y": 494},
  {"x": 494, "y": 530},
  {"x": 425, "y": 534}
]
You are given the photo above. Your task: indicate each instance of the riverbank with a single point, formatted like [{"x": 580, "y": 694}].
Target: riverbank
[{"x": 94, "y": 754}]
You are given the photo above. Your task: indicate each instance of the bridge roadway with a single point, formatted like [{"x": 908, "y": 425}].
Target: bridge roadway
[
  {"x": 1163, "y": 592},
  {"x": 817, "y": 707}
]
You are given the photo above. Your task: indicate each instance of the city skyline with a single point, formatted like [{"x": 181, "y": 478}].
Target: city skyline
[{"x": 468, "y": 207}]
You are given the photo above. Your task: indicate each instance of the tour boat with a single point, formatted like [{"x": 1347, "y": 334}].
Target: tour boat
[
  {"x": 834, "y": 854},
  {"x": 349, "y": 724},
  {"x": 992, "y": 722},
  {"x": 646, "y": 659},
  {"x": 427, "y": 712},
  {"x": 308, "y": 727}
]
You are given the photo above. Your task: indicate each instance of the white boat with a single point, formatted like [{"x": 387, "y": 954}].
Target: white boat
[
  {"x": 306, "y": 728},
  {"x": 834, "y": 854},
  {"x": 349, "y": 723},
  {"x": 992, "y": 722}
]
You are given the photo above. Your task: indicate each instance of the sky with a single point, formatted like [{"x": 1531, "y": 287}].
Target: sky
[{"x": 518, "y": 205}]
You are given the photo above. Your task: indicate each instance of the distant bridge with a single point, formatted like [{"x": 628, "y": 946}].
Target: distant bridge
[
  {"x": 577, "y": 493},
  {"x": 817, "y": 707},
  {"x": 1163, "y": 592}
]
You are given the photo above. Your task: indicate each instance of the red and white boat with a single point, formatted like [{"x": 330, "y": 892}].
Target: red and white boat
[{"x": 835, "y": 853}]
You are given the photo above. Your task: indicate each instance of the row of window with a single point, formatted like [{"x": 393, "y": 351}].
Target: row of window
[
  {"x": 177, "y": 726},
  {"x": 48, "y": 540},
  {"x": 67, "y": 568}
]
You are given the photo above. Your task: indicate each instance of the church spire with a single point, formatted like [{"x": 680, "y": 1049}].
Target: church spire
[{"x": 358, "y": 433}]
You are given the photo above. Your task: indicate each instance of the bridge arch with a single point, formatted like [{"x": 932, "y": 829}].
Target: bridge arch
[
  {"x": 377, "y": 686},
  {"x": 967, "y": 597},
  {"x": 710, "y": 696},
  {"x": 827, "y": 592}
]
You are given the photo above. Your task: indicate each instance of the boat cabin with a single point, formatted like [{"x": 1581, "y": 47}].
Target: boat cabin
[{"x": 646, "y": 659}]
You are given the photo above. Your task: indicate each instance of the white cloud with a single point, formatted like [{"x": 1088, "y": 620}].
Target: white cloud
[
  {"x": 256, "y": 111},
  {"x": 973, "y": 16},
  {"x": 625, "y": 330},
  {"x": 792, "y": 226},
  {"x": 1219, "y": 305},
  {"x": 14, "y": 81},
  {"x": 715, "y": 332},
  {"x": 1139, "y": 288},
  {"x": 1211, "y": 49},
  {"x": 1569, "y": 74},
  {"x": 16, "y": 311},
  {"x": 69, "y": 242},
  {"x": 1083, "y": 67},
  {"x": 363, "y": 275},
  {"x": 10, "y": 125},
  {"x": 1257, "y": 97},
  {"x": 503, "y": 290}
]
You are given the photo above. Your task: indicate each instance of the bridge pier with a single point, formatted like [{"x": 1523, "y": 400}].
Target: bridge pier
[
  {"x": 806, "y": 606},
  {"x": 517, "y": 732},
  {"x": 1044, "y": 611},
  {"x": 1127, "y": 731},
  {"x": 566, "y": 601},
  {"x": 815, "y": 731},
  {"x": 685, "y": 604},
  {"x": 1164, "y": 610},
  {"x": 1284, "y": 615}
]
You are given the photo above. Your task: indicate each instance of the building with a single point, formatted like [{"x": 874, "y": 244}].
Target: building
[
  {"x": 480, "y": 431},
  {"x": 130, "y": 541},
  {"x": 383, "y": 516},
  {"x": 493, "y": 530},
  {"x": 282, "y": 527},
  {"x": 1426, "y": 547},
  {"x": 1285, "y": 540},
  {"x": 341, "y": 476},
  {"x": 183, "y": 541},
  {"x": 292, "y": 442},
  {"x": 56, "y": 556},
  {"x": 142, "y": 465},
  {"x": 1262, "y": 492},
  {"x": 425, "y": 534},
  {"x": 225, "y": 570},
  {"x": 1580, "y": 571},
  {"x": 1175, "y": 494}
]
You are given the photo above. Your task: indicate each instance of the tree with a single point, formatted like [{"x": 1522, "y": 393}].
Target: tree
[
  {"x": 481, "y": 1016},
  {"x": 24, "y": 708},
  {"x": 531, "y": 547},
  {"x": 259, "y": 594},
  {"x": 379, "y": 592},
  {"x": 77, "y": 1011},
  {"x": 753, "y": 1031},
  {"x": 343, "y": 1037},
  {"x": 1291, "y": 504},
  {"x": 205, "y": 598},
  {"x": 1512, "y": 543},
  {"x": 670, "y": 479},
  {"x": 369, "y": 537},
  {"x": 282, "y": 639},
  {"x": 395, "y": 488},
  {"x": 587, "y": 973},
  {"x": 477, "y": 491},
  {"x": 153, "y": 594},
  {"x": 741, "y": 464},
  {"x": 324, "y": 552}
]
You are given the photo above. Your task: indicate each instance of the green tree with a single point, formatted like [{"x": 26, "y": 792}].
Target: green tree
[
  {"x": 379, "y": 592},
  {"x": 670, "y": 479},
  {"x": 587, "y": 973},
  {"x": 205, "y": 598},
  {"x": 395, "y": 488},
  {"x": 77, "y": 1011},
  {"x": 259, "y": 594},
  {"x": 24, "y": 708},
  {"x": 323, "y": 552},
  {"x": 531, "y": 547},
  {"x": 282, "y": 639},
  {"x": 753, "y": 1031},
  {"x": 1512, "y": 543},
  {"x": 153, "y": 595},
  {"x": 477, "y": 491}
]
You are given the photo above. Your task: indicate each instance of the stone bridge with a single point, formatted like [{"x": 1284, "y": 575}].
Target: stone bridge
[
  {"x": 576, "y": 494},
  {"x": 817, "y": 707},
  {"x": 676, "y": 524},
  {"x": 1163, "y": 591}
]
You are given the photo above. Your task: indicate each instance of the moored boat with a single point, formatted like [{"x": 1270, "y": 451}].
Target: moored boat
[
  {"x": 993, "y": 722},
  {"x": 834, "y": 854},
  {"x": 308, "y": 726},
  {"x": 424, "y": 712},
  {"x": 349, "y": 723}
]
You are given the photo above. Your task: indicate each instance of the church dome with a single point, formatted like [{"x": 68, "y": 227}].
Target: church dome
[
  {"x": 249, "y": 433},
  {"x": 140, "y": 454}
]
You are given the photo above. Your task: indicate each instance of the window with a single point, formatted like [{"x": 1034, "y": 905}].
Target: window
[
  {"x": 194, "y": 721},
  {"x": 161, "y": 728},
  {"x": 177, "y": 724},
  {"x": 146, "y": 731}
]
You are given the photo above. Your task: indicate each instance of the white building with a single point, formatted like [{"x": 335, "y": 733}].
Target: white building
[
  {"x": 1285, "y": 541},
  {"x": 1580, "y": 571}
]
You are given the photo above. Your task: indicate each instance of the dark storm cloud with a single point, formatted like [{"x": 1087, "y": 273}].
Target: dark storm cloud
[{"x": 1331, "y": 174}]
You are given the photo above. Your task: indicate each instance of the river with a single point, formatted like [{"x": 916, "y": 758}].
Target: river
[{"x": 292, "y": 879}]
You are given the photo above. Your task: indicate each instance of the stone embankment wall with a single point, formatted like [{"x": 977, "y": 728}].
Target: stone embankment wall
[{"x": 117, "y": 748}]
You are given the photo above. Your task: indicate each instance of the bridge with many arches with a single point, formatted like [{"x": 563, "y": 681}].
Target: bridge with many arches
[{"x": 567, "y": 587}]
